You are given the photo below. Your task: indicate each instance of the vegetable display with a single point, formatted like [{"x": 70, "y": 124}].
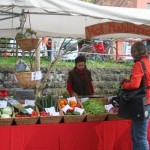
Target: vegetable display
[
  {"x": 25, "y": 113},
  {"x": 6, "y": 112},
  {"x": 45, "y": 105},
  {"x": 45, "y": 102},
  {"x": 94, "y": 107},
  {"x": 72, "y": 104}
]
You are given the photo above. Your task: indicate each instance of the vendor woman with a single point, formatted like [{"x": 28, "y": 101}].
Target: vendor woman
[{"x": 79, "y": 81}]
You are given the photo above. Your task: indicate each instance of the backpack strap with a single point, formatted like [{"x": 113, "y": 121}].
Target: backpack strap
[
  {"x": 144, "y": 70},
  {"x": 143, "y": 66},
  {"x": 144, "y": 76}
]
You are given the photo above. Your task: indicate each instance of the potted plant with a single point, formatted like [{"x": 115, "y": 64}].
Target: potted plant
[{"x": 27, "y": 40}]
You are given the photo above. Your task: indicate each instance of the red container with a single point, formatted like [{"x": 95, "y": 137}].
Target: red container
[{"x": 4, "y": 93}]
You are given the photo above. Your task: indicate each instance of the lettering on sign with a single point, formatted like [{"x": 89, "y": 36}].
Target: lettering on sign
[{"x": 114, "y": 27}]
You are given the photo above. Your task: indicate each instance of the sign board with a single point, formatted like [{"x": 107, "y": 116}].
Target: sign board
[{"x": 115, "y": 27}]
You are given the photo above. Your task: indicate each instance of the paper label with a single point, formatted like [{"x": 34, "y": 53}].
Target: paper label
[
  {"x": 36, "y": 75},
  {"x": 80, "y": 110},
  {"x": 13, "y": 102},
  {"x": 50, "y": 110},
  {"x": 108, "y": 107},
  {"x": 3, "y": 104},
  {"x": 84, "y": 99},
  {"x": 29, "y": 102},
  {"x": 29, "y": 110},
  {"x": 64, "y": 109},
  {"x": 55, "y": 114}
]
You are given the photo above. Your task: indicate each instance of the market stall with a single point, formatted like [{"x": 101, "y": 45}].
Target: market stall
[{"x": 74, "y": 16}]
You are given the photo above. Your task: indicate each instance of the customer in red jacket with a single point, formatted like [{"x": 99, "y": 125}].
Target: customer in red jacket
[
  {"x": 49, "y": 47},
  {"x": 139, "y": 128},
  {"x": 99, "y": 47},
  {"x": 79, "y": 81}
]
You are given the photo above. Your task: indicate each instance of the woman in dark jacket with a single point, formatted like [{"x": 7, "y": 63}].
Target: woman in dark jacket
[
  {"x": 139, "y": 128},
  {"x": 79, "y": 81}
]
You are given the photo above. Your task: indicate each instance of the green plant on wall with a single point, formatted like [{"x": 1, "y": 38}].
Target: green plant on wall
[
  {"x": 26, "y": 33},
  {"x": 4, "y": 42}
]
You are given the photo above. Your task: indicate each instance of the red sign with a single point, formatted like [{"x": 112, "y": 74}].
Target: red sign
[{"x": 114, "y": 27}]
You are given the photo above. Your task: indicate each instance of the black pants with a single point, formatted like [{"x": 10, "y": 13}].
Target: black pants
[{"x": 49, "y": 53}]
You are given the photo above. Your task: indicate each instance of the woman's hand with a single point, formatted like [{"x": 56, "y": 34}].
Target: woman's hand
[
  {"x": 74, "y": 94},
  {"x": 124, "y": 80}
]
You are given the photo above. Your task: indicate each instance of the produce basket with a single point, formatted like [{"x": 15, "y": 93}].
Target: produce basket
[
  {"x": 97, "y": 117},
  {"x": 26, "y": 120},
  {"x": 73, "y": 118},
  {"x": 24, "y": 79},
  {"x": 6, "y": 121},
  {"x": 114, "y": 116},
  {"x": 27, "y": 44},
  {"x": 51, "y": 119}
]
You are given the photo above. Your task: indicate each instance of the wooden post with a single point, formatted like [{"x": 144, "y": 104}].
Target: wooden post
[
  {"x": 37, "y": 68},
  {"x": 16, "y": 52}
]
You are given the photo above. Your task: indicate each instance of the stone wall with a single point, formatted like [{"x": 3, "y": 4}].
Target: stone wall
[{"x": 105, "y": 80}]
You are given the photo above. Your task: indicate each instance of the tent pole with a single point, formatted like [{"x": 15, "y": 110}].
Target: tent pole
[{"x": 116, "y": 51}]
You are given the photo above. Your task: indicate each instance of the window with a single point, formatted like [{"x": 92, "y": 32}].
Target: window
[{"x": 148, "y": 5}]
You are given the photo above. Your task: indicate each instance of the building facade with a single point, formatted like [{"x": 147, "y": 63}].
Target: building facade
[{"x": 145, "y": 4}]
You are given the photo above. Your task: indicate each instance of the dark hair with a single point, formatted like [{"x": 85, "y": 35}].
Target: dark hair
[
  {"x": 80, "y": 59},
  {"x": 138, "y": 49}
]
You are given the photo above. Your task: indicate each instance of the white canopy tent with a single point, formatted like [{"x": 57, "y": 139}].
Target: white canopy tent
[{"x": 62, "y": 18}]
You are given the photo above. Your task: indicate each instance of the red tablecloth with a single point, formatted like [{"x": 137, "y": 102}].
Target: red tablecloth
[{"x": 106, "y": 135}]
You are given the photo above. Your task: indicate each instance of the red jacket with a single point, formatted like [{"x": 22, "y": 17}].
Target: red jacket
[
  {"x": 136, "y": 77},
  {"x": 99, "y": 47}
]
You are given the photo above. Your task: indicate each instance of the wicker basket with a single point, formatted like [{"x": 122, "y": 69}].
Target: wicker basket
[
  {"x": 26, "y": 120},
  {"x": 51, "y": 119},
  {"x": 27, "y": 44},
  {"x": 96, "y": 117},
  {"x": 24, "y": 80},
  {"x": 114, "y": 116},
  {"x": 6, "y": 121},
  {"x": 73, "y": 118}
]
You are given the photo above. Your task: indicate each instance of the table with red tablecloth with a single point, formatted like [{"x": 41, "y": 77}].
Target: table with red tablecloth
[{"x": 105, "y": 135}]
